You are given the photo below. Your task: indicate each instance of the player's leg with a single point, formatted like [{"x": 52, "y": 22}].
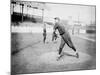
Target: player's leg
[
  {"x": 44, "y": 39},
  {"x": 61, "y": 45},
  {"x": 61, "y": 48},
  {"x": 69, "y": 42}
]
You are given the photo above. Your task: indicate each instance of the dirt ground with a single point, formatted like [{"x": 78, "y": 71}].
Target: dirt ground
[{"x": 33, "y": 56}]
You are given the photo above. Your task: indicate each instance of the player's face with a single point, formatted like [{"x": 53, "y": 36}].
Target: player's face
[{"x": 56, "y": 20}]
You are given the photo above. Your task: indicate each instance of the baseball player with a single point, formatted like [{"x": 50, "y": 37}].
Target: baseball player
[
  {"x": 65, "y": 37},
  {"x": 44, "y": 33}
]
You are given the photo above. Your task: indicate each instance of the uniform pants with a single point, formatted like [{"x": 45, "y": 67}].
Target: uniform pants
[
  {"x": 65, "y": 39},
  {"x": 44, "y": 35}
]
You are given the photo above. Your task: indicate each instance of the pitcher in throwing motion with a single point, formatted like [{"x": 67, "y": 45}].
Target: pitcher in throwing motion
[{"x": 65, "y": 37}]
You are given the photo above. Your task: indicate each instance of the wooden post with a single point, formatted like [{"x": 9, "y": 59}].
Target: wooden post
[
  {"x": 13, "y": 8},
  {"x": 42, "y": 15},
  {"x": 22, "y": 11},
  {"x": 27, "y": 10}
]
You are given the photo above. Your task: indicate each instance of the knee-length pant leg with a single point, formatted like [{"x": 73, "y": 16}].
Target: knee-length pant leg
[
  {"x": 68, "y": 41},
  {"x": 44, "y": 37},
  {"x": 61, "y": 45}
]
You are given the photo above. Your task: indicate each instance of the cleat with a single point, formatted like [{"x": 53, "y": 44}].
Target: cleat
[{"x": 60, "y": 57}]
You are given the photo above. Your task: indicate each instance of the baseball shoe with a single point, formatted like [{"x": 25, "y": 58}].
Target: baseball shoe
[{"x": 60, "y": 56}]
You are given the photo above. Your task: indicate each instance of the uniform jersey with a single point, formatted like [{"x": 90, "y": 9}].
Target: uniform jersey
[{"x": 60, "y": 28}]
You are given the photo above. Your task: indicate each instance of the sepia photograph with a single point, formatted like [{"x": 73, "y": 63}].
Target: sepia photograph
[{"x": 52, "y": 37}]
